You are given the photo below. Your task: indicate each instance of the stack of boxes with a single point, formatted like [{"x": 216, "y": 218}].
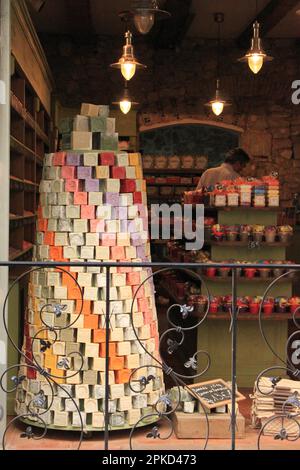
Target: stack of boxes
[{"x": 92, "y": 208}]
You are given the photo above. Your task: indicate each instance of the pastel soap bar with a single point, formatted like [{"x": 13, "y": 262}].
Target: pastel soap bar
[
  {"x": 122, "y": 159},
  {"x": 84, "y": 172},
  {"x": 72, "y": 185},
  {"x": 91, "y": 185},
  {"x": 59, "y": 159},
  {"x": 98, "y": 124},
  {"x": 111, "y": 199},
  {"x": 97, "y": 226},
  {"x": 68, "y": 172},
  {"x": 118, "y": 172},
  {"x": 102, "y": 172},
  {"x": 80, "y": 198},
  {"x": 128, "y": 186},
  {"x": 88, "y": 109},
  {"x": 81, "y": 123},
  {"x": 73, "y": 159},
  {"x": 81, "y": 140},
  {"x": 90, "y": 159},
  {"x": 107, "y": 158}
]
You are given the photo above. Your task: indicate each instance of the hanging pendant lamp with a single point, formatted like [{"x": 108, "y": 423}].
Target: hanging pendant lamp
[
  {"x": 126, "y": 102},
  {"x": 217, "y": 104},
  {"x": 127, "y": 63},
  {"x": 256, "y": 55},
  {"x": 145, "y": 12}
]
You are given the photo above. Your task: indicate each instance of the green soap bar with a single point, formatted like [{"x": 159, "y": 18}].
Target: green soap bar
[
  {"x": 98, "y": 124},
  {"x": 103, "y": 111},
  {"x": 66, "y": 141},
  {"x": 110, "y": 142},
  {"x": 117, "y": 419},
  {"x": 66, "y": 125}
]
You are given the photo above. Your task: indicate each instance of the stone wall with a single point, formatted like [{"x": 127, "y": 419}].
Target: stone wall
[{"x": 177, "y": 83}]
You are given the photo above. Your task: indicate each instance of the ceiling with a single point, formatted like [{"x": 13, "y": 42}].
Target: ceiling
[{"x": 101, "y": 16}]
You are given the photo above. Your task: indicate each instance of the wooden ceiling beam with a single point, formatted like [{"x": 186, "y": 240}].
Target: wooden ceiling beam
[
  {"x": 79, "y": 15},
  {"x": 268, "y": 18},
  {"x": 169, "y": 33}
]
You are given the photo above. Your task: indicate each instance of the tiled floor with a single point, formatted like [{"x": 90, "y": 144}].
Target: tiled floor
[{"x": 119, "y": 440}]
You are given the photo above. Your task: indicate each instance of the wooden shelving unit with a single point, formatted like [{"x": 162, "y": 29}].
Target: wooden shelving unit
[{"x": 31, "y": 136}]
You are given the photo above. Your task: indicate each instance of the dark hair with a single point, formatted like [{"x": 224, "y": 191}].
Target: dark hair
[{"x": 237, "y": 155}]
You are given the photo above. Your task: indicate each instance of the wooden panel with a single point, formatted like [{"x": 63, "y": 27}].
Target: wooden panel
[
  {"x": 252, "y": 353},
  {"x": 28, "y": 52}
]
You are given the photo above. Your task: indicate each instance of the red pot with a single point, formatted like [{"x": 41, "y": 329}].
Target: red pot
[
  {"x": 254, "y": 308},
  {"x": 211, "y": 272},
  {"x": 250, "y": 273},
  {"x": 268, "y": 308},
  {"x": 293, "y": 307},
  {"x": 214, "y": 307}
]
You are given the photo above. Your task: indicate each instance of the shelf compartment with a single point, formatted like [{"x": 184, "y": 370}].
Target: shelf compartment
[{"x": 169, "y": 171}]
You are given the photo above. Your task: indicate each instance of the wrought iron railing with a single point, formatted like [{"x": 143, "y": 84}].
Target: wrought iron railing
[{"x": 171, "y": 340}]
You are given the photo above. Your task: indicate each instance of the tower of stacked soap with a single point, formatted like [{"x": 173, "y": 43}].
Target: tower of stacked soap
[{"x": 92, "y": 208}]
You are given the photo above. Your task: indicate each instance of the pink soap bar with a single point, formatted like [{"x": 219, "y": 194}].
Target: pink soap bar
[
  {"x": 125, "y": 269},
  {"x": 84, "y": 172},
  {"x": 117, "y": 252},
  {"x": 128, "y": 186},
  {"x": 87, "y": 212},
  {"x": 148, "y": 317},
  {"x": 59, "y": 159},
  {"x": 133, "y": 279},
  {"x": 153, "y": 328},
  {"x": 118, "y": 172},
  {"x": 137, "y": 197},
  {"x": 80, "y": 198},
  {"x": 108, "y": 239},
  {"x": 143, "y": 304},
  {"x": 107, "y": 158},
  {"x": 73, "y": 159},
  {"x": 72, "y": 185},
  {"x": 140, "y": 292},
  {"x": 68, "y": 172},
  {"x": 143, "y": 211},
  {"x": 96, "y": 226}
]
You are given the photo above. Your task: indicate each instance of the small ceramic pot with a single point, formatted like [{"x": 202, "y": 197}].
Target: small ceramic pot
[
  {"x": 268, "y": 308},
  {"x": 224, "y": 272},
  {"x": 264, "y": 273},
  {"x": 270, "y": 236},
  {"x": 244, "y": 236},
  {"x": 211, "y": 272},
  {"x": 254, "y": 308},
  {"x": 258, "y": 236},
  {"x": 250, "y": 273}
]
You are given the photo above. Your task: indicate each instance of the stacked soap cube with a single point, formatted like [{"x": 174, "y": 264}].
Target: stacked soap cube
[
  {"x": 92, "y": 208},
  {"x": 91, "y": 130}
]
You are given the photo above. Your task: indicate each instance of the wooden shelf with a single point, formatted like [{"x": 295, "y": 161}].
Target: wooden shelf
[
  {"x": 21, "y": 149},
  {"x": 20, "y": 254},
  {"x": 221, "y": 315},
  {"x": 169, "y": 171},
  {"x": 247, "y": 208},
  {"x": 245, "y": 244},
  {"x": 245, "y": 279},
  {"x": 167, "y": 184}
]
